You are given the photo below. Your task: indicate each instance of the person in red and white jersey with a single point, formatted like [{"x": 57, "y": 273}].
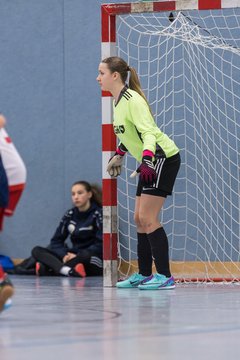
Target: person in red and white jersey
[
  {"x": 15, "y": 170},
  {"x": 12, "y": 183}
]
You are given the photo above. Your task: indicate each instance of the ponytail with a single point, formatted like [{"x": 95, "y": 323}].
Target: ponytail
[
  {"x": 97, "y": 194},
  {"x": 134, "y": 83}
]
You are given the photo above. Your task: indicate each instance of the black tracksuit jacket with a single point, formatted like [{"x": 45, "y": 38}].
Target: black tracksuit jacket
[{"x": 84, "y": 230}]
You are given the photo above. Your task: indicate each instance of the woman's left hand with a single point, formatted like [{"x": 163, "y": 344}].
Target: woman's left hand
[{"x": 147, "y": 171}]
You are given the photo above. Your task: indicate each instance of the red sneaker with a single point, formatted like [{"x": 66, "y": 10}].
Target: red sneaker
[
  {"x": 38, "y": 265},
  {"x": 79, "y": 268}
]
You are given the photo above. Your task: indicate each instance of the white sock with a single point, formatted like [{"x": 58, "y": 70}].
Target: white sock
[{"x": 65, "y": 270}]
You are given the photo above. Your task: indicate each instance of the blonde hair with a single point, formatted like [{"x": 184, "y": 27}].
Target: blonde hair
[{"x": 119, "y": 65}]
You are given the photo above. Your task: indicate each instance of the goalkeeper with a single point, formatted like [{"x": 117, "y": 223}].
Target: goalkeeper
[{"x": 159, "y": 160}]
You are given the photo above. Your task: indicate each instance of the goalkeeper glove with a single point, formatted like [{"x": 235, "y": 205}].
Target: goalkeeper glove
[
  {"x": 115, "y": 163},
  {"x": 147, "y": 171}
]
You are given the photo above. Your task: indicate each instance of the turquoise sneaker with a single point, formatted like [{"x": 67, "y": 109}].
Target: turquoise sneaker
[
  {"x": 132, "y": 282},
  {"x": 157, "y": 282}
]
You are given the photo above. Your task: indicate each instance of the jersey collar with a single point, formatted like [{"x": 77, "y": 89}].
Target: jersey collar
[{"x": 121, "y": 94}]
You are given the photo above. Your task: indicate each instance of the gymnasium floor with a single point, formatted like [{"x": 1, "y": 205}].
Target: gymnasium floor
[{"x": 75, "y": 319}]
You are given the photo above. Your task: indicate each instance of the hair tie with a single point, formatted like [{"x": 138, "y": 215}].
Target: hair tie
[{"x": 128, "y": 68}]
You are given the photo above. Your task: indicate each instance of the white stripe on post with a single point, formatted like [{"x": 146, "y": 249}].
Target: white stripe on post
[
  {"x": 107, "y": 109},
  {"x": 108, "y": 49},
  {"x": 106, "y": 155},
  {"x": 186, "y": 4},
  {"x": 230, "y": 3}
]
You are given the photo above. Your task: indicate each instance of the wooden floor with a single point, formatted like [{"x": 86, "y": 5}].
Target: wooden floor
[{"x": 75, "y": 319}]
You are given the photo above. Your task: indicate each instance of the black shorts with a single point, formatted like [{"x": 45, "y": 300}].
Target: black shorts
[{"x": 166, "y": 170}]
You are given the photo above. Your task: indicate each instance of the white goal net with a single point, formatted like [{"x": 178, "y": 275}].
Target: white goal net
[{"x": 189, "y": 67}]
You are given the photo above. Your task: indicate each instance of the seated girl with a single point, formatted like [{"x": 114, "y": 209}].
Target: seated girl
[{"x": 83, "y": 225}]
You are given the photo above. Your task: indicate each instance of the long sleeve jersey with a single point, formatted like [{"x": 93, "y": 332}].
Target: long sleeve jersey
[
  {"x": 4, "y": 192},
  {"x": 135, "y": 127},
  {"x": 84, "y": 230}
]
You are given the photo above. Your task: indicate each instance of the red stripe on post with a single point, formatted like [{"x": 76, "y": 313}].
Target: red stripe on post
[
  {"x": 105, "y": 25},
  {"x": 206, "y": 4},
  {"x": 113, "y": 28},
  {"x": 110, "y": 246},
  {"x": 164, "y": 6},
  {"x": 109, "y": 191},
  {"x": 109, "y": 142},
  {"x": 106, "y": 94}
]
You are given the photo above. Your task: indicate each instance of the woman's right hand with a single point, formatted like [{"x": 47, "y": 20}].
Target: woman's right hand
[
  {"x": 115, "y": 165},
  {"x": 69, "y": 256}
]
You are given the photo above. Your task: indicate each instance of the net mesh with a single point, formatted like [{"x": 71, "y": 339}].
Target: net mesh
[{"x": 189, "y": 67}]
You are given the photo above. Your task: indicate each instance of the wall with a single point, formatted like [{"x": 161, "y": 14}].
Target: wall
[{"x": 50, "y": 50}]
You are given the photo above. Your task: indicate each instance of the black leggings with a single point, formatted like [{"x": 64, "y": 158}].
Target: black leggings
[{"x": 92, "y": 263}]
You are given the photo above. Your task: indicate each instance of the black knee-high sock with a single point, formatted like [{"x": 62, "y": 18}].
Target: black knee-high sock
[
  {"x": 159, "y": 245},
  {"x": 144, "y": 255}
]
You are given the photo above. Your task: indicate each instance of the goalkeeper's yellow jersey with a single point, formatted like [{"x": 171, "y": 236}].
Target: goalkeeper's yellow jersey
[{"x": 136, "y": 129}]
